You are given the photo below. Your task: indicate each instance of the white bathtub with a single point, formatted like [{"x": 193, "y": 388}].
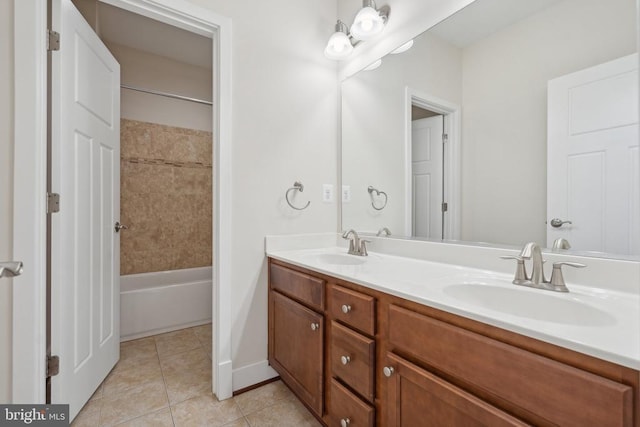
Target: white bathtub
[{"x": 153, "y": 303}]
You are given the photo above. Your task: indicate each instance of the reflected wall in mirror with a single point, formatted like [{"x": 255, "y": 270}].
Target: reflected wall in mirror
[{"x": 539, "y": 100}]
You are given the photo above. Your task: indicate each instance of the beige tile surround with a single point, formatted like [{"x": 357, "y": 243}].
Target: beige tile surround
[
  {"x": 165, "y": 197},
  {"x": 165, "y": 380}
]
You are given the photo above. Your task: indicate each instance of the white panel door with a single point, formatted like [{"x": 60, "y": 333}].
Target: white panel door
[
  {"x": 85, "y": 171},
  {"x": 426, "y": 176},
  {"x": 592, "y": 158}
]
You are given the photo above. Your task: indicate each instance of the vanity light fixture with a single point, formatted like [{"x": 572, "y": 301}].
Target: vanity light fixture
[
  {"x": 405, "y": 47},
  {"x": 369, "y": 22},
  {"x": 339, "y": 45}
]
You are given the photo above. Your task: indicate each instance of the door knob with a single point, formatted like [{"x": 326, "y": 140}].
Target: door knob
[
  {"x": 315, "y": 326},
  {"x": 11, "y": 269},
  {"x": 346, "y": 308},
  {"x": 388, "y": 371},
  {"x": 345, "y": 359},
  {"x": 119, "y": 227},
  {"x": 557, "y": 222},
  {"x": 345, "y": 422}
]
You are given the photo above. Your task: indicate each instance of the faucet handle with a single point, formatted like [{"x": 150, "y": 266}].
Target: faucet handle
[
  {"x": 521, "y": 271},
  {"x": 557, "y": 279},
  {"x": 363, "y": 247}
]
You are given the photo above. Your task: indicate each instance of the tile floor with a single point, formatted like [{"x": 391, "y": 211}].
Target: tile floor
[{"x": 165, "y": 380}]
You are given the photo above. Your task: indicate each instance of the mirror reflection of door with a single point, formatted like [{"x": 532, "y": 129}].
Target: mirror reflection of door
[
  {"x": 592, "y": 175},
  {"x": 427, "y": 181}
]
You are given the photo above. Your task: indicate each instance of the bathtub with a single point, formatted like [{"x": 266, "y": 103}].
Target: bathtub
[{"x": 153, "y": 303}]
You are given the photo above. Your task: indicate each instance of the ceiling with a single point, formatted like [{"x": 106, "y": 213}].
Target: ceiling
[
  {"x": 125, "y": 28},
  {"x": 484, "y": 17}
]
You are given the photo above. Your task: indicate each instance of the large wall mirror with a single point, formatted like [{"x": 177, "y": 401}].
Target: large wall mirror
[{"x": 511, "y": 121}]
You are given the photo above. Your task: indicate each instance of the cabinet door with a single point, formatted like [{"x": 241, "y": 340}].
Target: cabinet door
[
  {"x": 296, "y": 348},
  {"x": 416, "y": 397}
]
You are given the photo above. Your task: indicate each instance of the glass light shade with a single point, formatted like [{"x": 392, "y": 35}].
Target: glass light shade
[
  {"x": 339, "y": 46},
  {"x": 367, "y": 24}
]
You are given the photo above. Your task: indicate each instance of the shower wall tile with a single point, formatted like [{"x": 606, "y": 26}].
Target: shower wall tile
[{"x": 165, "y": 198}]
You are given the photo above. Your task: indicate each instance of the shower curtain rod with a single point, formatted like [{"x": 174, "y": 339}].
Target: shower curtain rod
[{"x": 168, "y": 95}]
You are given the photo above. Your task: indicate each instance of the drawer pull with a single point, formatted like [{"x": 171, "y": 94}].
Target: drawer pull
[
  {"x": 345, "y": 422},
  {"x": 387, "y": 371},
  {"x": 345, "y": 360},
  {"x": 315, "y": 326},
  {"x": 346, "y": 308}
]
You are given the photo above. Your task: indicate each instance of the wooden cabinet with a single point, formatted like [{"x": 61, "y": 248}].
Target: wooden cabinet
[
  {"x": 296, "y": 348},
  {"x": 556, "y": 392},
  {"x": 355, "y": 309},
  {"x": 353, "y": 360},
  {"x": 347, "y": 409},
  {"x": 416, "y": 397},
  {"x": 446, "y": 370}
]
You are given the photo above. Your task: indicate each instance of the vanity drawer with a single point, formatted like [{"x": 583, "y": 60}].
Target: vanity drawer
[
  {"x": 353, "y": 308},
  {"x": 306, "y": 289},
  {"x": 347, "y": 409},
  {"x": 353, "y": 359},
  {"x": 559, "y": 393}
]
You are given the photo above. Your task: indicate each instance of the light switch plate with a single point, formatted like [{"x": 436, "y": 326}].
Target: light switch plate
[
  {"x": 346, "y": 193},
  {"x": 327, "y": 193}
]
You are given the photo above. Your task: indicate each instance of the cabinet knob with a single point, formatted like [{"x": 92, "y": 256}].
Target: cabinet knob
[
  {"x": 345, "y": 360},
  {"x": 388, "y": 371},
  {"x": 345, "y": 422},
  {"x": 346, "y": 308},
  {"x": 315, "y": 326}
]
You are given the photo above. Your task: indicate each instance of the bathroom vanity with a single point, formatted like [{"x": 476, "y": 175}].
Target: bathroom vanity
[{"x": 360, "y": 354}]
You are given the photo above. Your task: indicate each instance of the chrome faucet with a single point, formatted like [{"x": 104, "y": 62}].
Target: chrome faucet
[
  {"x": 533, "y": 252},
  {"x": 357, "y": 246},
  {"x": 385, "y": 231}
]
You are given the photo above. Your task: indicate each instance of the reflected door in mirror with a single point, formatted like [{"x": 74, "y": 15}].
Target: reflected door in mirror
[
  {"x": 593, "y": 157},
  {"x": 427, "y": 176}
]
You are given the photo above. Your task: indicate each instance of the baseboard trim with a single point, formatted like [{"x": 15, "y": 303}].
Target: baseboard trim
[
  {"x": 253, "y": 374},
  {"x": 258, "y": 385}
]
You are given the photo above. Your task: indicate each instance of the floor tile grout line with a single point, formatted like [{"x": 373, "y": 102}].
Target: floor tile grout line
[
  {"x": 140, "y": 416},
  {"x": 164, "y": 381},
  {"x": 274, "y": 403}
]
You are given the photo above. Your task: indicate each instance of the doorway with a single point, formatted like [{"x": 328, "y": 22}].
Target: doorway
[
  {"x": 427, "y": 173},
  {"x": 432, "y": 167},
  {"x": 28, "y": 344}
]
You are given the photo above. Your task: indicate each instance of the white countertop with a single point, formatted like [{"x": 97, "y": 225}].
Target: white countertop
[{"x": 594, "y": 321}]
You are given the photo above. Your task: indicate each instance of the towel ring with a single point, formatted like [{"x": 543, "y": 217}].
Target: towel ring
[
  {"x": 297, "y": 186},
  {"x": 371, "y": 190}
]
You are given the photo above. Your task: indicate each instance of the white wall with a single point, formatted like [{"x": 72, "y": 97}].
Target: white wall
[
  {"x": 6, "y": 192},
  {"x": 149, "y": 71},
  {"x": 505, "y": 110},
  {"x": 285, "y": 102},
  {"x": 373, "y": 127}
]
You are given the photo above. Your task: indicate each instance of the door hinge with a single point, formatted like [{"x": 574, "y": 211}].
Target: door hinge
[
  {"x": 445, "y": 207},
  {"x": 53, "y": 40},
  {"x": 53, "y": 203},
  {"x": 445, "y": 138},
  {"x": 53, "y": 366}
]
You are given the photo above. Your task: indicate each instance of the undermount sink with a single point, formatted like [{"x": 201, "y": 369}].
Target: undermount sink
[
  {"x": 340, "y": 259},
  {"x": 538, "y": 305}
]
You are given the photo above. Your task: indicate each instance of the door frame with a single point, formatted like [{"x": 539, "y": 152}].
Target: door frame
[
  {"x": 30, "y": 159},
  {"x": 451, "y": 153}
]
